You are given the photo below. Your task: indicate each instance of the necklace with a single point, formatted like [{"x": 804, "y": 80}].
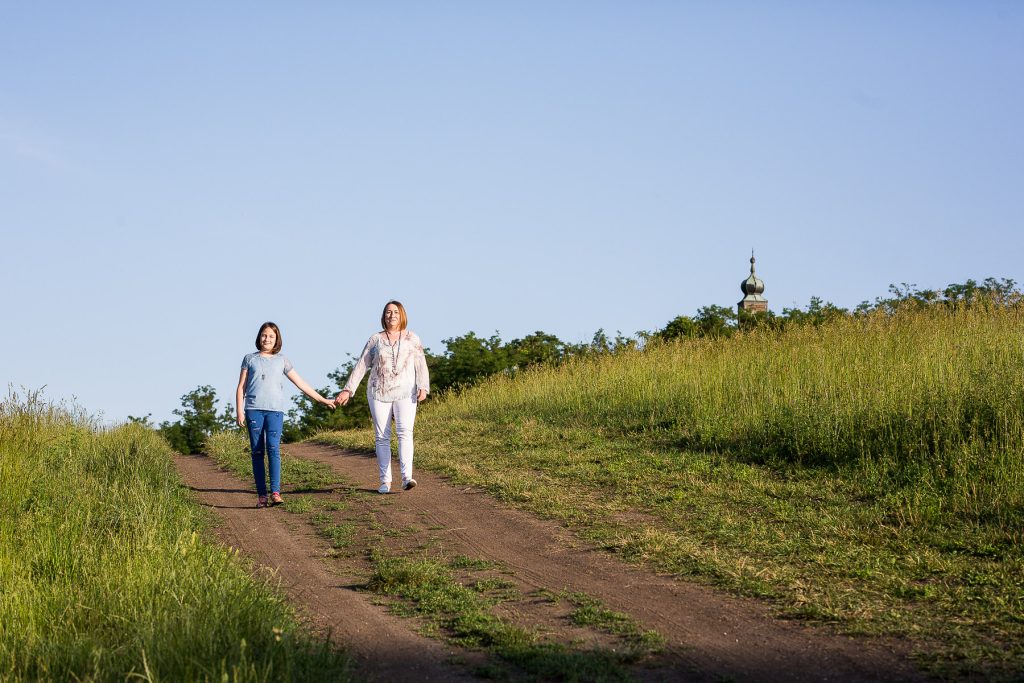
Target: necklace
[{"x": 394, "y": 353}]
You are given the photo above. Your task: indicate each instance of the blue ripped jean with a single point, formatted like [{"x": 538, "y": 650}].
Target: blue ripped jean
[{"x": 265, "y": 439}]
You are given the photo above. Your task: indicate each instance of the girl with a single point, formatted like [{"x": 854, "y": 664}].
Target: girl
[
  {"x": 398, "y": 381},
  {"x": 260, "y": 399}
]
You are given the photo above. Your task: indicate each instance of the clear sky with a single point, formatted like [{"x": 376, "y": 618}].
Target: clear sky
[{"x": 174, "y": 174}]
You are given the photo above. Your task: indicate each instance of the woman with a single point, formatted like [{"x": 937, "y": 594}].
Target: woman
[
  {"x": 398, "y": 381},
  {"x": 261, "y": 404}
]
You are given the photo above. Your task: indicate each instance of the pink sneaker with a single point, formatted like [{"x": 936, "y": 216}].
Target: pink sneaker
[{"x": 275, "y": 498}]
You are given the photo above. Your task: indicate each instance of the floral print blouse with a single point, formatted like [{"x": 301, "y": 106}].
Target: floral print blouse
[{"x": 397, "y": 370}]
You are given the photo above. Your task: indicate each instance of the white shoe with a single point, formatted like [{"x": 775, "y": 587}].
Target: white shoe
[
  {"x": 384, "y": 488},
  {"x": 409, "y": 484}
]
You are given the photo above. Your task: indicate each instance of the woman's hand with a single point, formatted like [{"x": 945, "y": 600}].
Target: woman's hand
[
  {"x": 342, "y": 398},
  {"x": 240, "y": 419},
  {"x": 421, "y": 395},
  {"x": 327, "y": 402}
]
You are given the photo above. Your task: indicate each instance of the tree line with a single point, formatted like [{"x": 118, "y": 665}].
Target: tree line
[{"x": 469, "y": 358}]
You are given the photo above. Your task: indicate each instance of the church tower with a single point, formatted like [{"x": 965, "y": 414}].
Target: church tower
[{"x": 752, "y": 289}]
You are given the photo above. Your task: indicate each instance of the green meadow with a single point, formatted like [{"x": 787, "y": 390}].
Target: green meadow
[
  {"x": 867, "y": 473},
  {"x": 105, "y": 572}
]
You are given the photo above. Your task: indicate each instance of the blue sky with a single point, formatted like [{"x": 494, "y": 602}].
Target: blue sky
[{"x": 174, "y": 174}]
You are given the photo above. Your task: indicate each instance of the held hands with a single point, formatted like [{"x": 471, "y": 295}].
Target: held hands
[
  {"x": 343, "y": 398},
  {"x": 327, "y": 402}
]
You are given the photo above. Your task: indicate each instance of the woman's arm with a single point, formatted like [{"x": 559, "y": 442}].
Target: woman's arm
[
  {"x": 240, "y": 397},
  {"x": 420, "y": 364},
  {"x": 308, "y": 390},
  {"x": 362, "y": 365}
]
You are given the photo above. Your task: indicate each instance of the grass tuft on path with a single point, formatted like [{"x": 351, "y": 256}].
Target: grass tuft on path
[{"x": 429, "y": 589}]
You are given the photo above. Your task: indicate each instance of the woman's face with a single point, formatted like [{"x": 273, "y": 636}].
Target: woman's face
[
  {"x": 392, "y": 317},
  {"x": 267, "y": 340}
]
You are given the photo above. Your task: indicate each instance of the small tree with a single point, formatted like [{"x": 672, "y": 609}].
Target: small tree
[
  {"x": 199, "y": 420},
  {"x": 468, "y": 359},
  {"x": 534, "y": 349},
  {"x": 818, "y": 312},
  {"x": 716, "y": 321},
  {"x": 680, "y": 327}
]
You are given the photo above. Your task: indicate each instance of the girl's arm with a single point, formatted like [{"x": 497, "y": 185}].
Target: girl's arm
[
  {"x": 308, "y": 390},
  {"x": 240, "y": 398},
  {"x": 362, "y": 365}
]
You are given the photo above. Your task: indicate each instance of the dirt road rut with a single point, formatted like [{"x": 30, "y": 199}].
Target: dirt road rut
[{"x": 710, "y": 636}]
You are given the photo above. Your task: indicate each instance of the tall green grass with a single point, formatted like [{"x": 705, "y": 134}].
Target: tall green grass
[
  {"x": 105, "y": 577},
  {"x": 930, "y": 401},
  {"x": 868, "y": 472}
]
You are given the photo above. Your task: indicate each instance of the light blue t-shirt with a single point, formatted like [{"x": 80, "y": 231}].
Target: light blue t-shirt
[{"x": 264, "y": 385}]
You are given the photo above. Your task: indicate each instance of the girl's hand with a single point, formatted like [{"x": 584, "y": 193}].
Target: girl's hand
[
  {"x": 421, "y": 395},
  {"x": 342, "y": 398},
  {"x": 327, "y": 402},
  {"x": 241, "y": 420}
]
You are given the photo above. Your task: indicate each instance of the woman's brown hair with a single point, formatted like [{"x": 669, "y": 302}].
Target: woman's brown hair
[
  {"x": 277, "y": 331},
  {"x": 403, "y": 319}
]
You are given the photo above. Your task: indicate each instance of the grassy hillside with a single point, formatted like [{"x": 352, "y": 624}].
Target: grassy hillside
[
  {"x": 105, "y": 577},
  {"x": 868, "y": 472}
]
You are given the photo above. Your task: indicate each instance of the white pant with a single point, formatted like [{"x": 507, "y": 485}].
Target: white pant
[{"x": 404, "y": 413}]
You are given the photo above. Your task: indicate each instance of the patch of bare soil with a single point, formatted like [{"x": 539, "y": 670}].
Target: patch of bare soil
[{"x": 710, "y": 636}]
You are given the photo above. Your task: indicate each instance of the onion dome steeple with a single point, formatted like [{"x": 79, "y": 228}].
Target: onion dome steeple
[{"x": 752, "y": 288}]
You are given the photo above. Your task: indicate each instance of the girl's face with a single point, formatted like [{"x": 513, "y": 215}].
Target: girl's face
[
  {"x": 392, "y": 317},
  {"x": 267, "y": 340}
]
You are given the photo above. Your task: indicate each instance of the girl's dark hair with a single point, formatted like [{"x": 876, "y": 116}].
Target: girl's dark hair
[
  {"x": 277, "y": 331},
  {"x": 403, "y": 319}
]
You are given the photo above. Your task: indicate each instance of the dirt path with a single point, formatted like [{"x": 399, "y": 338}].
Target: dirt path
[
  {"x": 383, "y": 646},
  {"x": 710, "y": 636}
]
